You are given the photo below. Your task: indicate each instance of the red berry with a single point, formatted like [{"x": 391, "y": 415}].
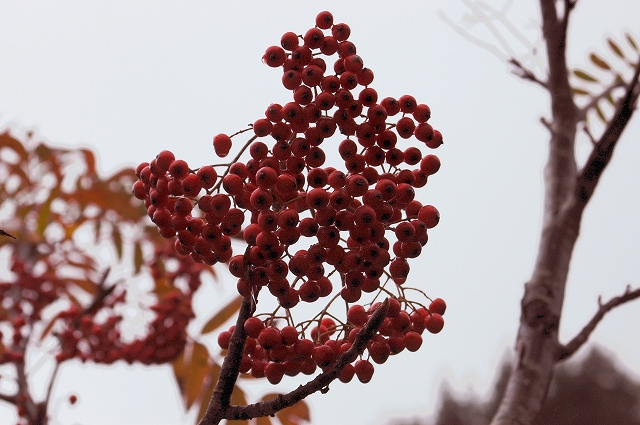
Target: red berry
[
  {"x": 270, "y": 338},
  {"x": 323, "y": 355},
  {"x": 430, "y": 164},
  {"x": 253, "y": 326},
  {"x": 324, "y": 20},
  {"x": 224, "y": 339},
  {"x": 412, "y": 341},
  {"x": 222, "y": 145},
  {"x": 438, "y": 306},
  {"x": 73, "y": 398},
  {"x": 436, "y": 140},
  {"x": 314, "y": 38},
  {"x": 274, "y": 56},
  {"x": 433, "y": 323},
  {"x": 274, "y": 372},
  {"x": 429, "y": 215},
  {"x": 364, "y": 370},
  {"x": 289, "y": 41}
]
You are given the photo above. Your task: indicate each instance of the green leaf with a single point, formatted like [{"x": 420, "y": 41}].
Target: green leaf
[
  {"x": 584, "y": 76},
  {"x": 631, "y": 41},
  {"x": 222, "y": 315},
  {"x": 599, "y": 62},
  {"x": 615, "y": 48},
  {"x": 138, "y": 258}
]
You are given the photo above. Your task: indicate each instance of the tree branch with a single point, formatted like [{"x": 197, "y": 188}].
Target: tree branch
[
  {"x": 321, "y": 381},
  {"x": 602, "y": 152},
  {"x": 565, "y": 351},
  {"x": 221, "y": 396},
  {"x": 525, "y": 73}
]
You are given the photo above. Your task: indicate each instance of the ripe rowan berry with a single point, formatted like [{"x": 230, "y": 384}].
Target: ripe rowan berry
[
  {"x": 364, "y": 370},
  {"x": 357, "y": 315},
  {"x": 324, "y": 20},
  {"x": 313, "y": 38},
  {"x": 434, "y": 323},
  {"x": 253, "y": 326},
  {"x": 429, "y": 215},
  {"x": 274, "y": 56},
  {"x": 289, "y": 41},
  {"x": 222, "y": 145},
  {"x": 438, "y": 306},
  {"x": 436, "y": 140},
  {"x": 365, "y": 76}
]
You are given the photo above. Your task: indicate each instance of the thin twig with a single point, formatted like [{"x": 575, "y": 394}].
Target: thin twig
[
  {"x": 525, "y": 73},
  {"x": 565, "y": 351}
]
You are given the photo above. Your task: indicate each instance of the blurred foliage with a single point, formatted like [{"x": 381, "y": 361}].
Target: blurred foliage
[
  {"x": 62, "y": 229},
  {"x": 592, "y": 391}
]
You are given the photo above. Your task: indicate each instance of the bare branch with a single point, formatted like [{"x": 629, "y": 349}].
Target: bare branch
[
  {"x": 320, "y": 382},
  {"x": 474, "y": 40},
  {"x": 525, "y": 73},
  {"x": 501, "y": 17},
  {"x": 565, "y": 351},
  {"x": 488, "y": 23},
  {"x": 3, "y": 233}
]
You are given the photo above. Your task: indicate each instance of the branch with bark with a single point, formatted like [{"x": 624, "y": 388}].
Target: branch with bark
[
  {"x": 567, "y": 350},
  {"x": 219, "y": 407}
]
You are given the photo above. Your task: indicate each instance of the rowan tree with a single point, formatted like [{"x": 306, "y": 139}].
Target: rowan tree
[{"x": 596, "y": 101}]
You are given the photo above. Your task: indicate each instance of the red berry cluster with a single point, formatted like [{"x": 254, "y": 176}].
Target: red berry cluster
[
  {"x": 308, "y": 226},
  {"x": 86, "y": 334},
  {"x": 273, "y": 352}
]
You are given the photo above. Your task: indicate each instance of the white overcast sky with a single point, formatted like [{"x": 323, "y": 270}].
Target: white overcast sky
[{"x": 130, "y": 78}]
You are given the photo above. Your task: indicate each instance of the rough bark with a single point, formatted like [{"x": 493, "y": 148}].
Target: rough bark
[{"x": 567, "y": 192}]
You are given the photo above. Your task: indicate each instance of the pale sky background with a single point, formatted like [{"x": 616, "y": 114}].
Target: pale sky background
[{"x": 130, "y": 78}]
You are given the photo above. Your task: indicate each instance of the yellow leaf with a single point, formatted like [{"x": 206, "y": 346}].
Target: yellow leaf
[
  {"x": 47, "y": 328},
  {"x": 599, "y": 62},
  {"x": 601, "y": 114},
  {"x": 584, "y": 76},
  {"x": 631, "y": 41},
  {"x": 192, "y": 373},
  {"x": 85, "y": 284},
  {"x": 205, "y": 396},
  {"x": 616, "y": 49},
  {"x": 294, "y": 415},
  {"x": 263, "y": 420},
  {"x": 580, "y": 91},
  {"x": 7, "y": 141},
  {"x": 238, "y": 399},
  {"x": 222, "y": 315},
  {"x": 90, "y": 159}
]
